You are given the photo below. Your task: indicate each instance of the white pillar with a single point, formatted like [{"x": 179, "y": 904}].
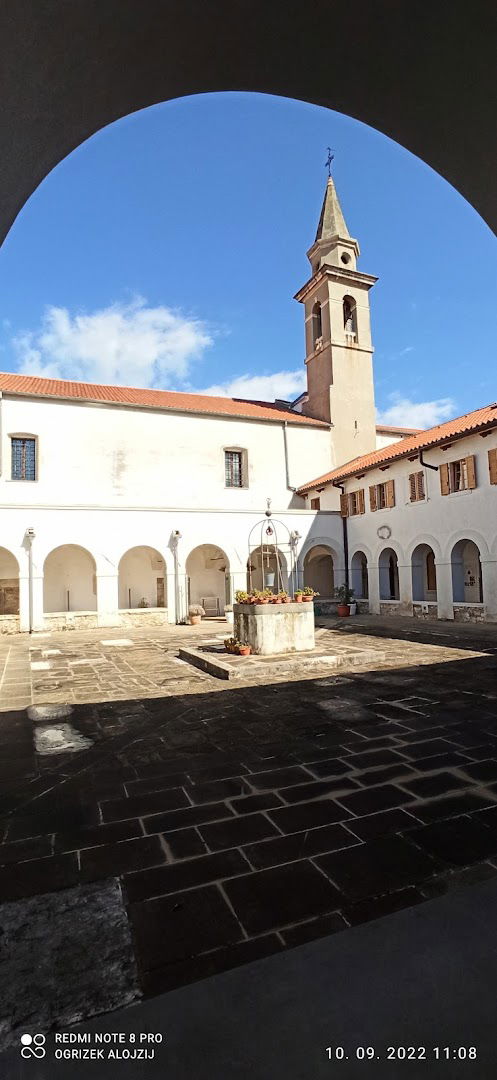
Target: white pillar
[
  {"x": 489, "y": 583},
  {"x": 108, "y": 600},
  {"x": 373, "y": 589},
  {"x": 405, "y": 589},
  {"x": 444, "y": 590}
]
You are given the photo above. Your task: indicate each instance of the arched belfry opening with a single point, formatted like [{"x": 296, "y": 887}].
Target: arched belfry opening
[
  {"x": 317, "y": 325},
  {"x": 350, "y": 319}
]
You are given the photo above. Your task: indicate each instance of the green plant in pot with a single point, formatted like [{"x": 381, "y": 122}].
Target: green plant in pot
[
  {"x": 298, "y": 596},
  {"x": 308, "y": 593},
  {"x": 242, "y": 597},
  {"x": 344, "y": 594}
]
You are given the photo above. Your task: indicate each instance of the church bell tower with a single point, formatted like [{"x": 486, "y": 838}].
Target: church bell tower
[{"x": 339, "y": 350}]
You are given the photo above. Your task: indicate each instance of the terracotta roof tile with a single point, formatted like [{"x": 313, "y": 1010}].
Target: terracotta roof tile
[
  {"x": 442, "y": 433},
  {"x": 154, "y": 399}
]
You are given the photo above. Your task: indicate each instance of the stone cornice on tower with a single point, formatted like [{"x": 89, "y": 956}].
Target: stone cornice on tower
[{"x": 337, "y": 273}]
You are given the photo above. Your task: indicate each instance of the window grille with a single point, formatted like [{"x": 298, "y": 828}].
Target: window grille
[
  {"x": 24, "y": 459},
  {"x": 233, "y": 468}
]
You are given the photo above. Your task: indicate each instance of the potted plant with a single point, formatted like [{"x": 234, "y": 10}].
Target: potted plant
[
  {"x": 195, "y": 612},
  {"x": 230, "y": 644},
  {"x": 298, "y": 596},
  {"x": 285, "y": 598},
  {"x": 243, "y": 649},
  {"x": 275, "y": 599},
  {"x": 344, "y": 595},
  {"x": 241, "y": 597},
  {"x": 308, "y": 593}
]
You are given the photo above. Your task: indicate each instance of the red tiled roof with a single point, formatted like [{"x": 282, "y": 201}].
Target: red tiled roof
[
  {"x": 435, "y": 436},
  {"x": 392, "y": 429},
  {"x": 33, "y": 386}
]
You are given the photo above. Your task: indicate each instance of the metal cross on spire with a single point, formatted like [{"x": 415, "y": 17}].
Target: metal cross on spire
[{"x": 329, "y": 160}]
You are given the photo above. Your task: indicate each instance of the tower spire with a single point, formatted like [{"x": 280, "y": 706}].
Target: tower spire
[
  {"x": 331, "y": 221},
  {"x": 333, "y": 245}
]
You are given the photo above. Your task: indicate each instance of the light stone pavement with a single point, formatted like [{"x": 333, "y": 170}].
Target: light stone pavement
[{"x": 112, "y": 664}]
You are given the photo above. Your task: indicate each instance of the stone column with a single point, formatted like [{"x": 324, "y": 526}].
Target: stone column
[
  {"x": 489, "y": 582},
  {"x": 38, "y": 619},
  {"x": 444, "y": 590},
  {"x": 405, "y": 589},
  {"x": 108, "y": 600},
  {"x": 373, "y": 590}
]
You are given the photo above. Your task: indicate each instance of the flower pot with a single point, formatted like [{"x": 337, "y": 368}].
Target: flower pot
[
  {"x": 286, "y": 600},
  {"x": 353, "y": 609},
  {"x": 195, "y": 619},
  {"x": 244, "y": 650},
  {"x": 277, "y": 600},
  {"x": 298, "y": 598},
  {"x": 343, "y": 610},
  {"x": 229, "y": 617},
  {"x": 265, "y": 600},
  {"x": 307, "y": 599}
]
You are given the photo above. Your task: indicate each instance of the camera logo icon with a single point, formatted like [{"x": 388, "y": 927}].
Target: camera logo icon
[{"x": 33, "y": 1046}]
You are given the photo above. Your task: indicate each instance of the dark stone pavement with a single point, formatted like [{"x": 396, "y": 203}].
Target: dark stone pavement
[{"x": 243, "y": 823}]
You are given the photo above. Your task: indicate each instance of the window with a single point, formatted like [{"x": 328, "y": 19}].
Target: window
[
  {"x": 349, "y": 319},
  {"x": 382, "y": 496},
  {"x": 23, "y": 458},
  {"x": 416, "y": 486},
  {"x": 458, "y": 475},
  {"x": 317, "y": 324},
  {"x": 235, "y": 467},
  {"x": 352, "y": 504},
  {"x": 315, "y": 504},
  {"x": 492, "y": 466}
]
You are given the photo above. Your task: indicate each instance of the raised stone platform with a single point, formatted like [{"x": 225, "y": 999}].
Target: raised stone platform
[
  {"x": 274, "y": 629},
  {"x": 212, "y": 657}
]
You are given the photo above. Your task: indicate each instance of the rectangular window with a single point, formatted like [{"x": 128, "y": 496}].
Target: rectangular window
[
  {"x": 233, "y": 468},
  {"x": 352, "y": 504},
  {"x": 416, "y": 486},
  {"x": 458, "y": 475},
  {"x": 315, "y": 504},
  {"x": 382, "y": 496},
  {"x": 23, "y": 459}
]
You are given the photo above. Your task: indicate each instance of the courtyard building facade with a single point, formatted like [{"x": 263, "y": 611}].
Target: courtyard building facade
[{"x": 124, "y": 506}]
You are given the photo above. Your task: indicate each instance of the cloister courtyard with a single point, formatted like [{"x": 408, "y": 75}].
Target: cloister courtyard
[{"x": 166, "y": 825}]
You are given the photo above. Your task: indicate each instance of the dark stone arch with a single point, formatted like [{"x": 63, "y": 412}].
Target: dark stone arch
[{"x": 416, "y": 73}]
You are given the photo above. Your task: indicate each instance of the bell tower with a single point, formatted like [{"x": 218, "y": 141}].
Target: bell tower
[{"x": 338, "y": 343}]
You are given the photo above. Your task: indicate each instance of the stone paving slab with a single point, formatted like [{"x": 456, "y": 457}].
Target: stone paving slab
[
  {"x": 242, "y": 819},
  {"x": 213, "y": 659}
]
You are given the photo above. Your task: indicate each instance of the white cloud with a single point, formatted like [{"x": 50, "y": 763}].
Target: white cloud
[
  {"x": 416, "y": 414},
  {"x": 283, "y": 384},
  {"x": 127, "y": 344}
]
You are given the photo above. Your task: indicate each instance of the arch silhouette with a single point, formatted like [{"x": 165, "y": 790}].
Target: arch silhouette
[{"x": 129, "y": 55}]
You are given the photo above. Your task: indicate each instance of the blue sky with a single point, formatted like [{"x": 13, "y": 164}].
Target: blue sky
[{"x": 167, "y": 249}]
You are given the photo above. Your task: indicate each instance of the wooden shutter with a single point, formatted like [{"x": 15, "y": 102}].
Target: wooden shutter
[
  {"x": 421, "y": 485},
  {"x": 390, "y": 492},
  {"x": 344, "y": 505},
  {"x": 492, "y": 466},
  {"x": 444, "y": 479},
  {"x": 360, "y": 500},
  {"x": 413, "y": 489},
  {"x": 373, "y": 502},
  {"x": 471, "y": 471}
]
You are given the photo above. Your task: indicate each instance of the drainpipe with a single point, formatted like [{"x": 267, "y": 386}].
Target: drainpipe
[
  {"x": 426, "y": 464},
  {"x": 345, "y": 536},
  {"x": 30, "y": 534},
  {"x": 287, "y": 470}
]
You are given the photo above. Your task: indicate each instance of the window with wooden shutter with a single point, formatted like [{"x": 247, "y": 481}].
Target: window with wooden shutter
[
  {"x": 471, "y": 471},
  {"x": 444, "y": 479},
  {"x": 492, "y": 466},
  {"x": 372, "y": 497},
  {"x": 344, "y": 505},
  {"x": 390, "y": 493},
  {"x": 362, "y": 508},
  {"x": 416, "y": 486},
  {"x": 316, "y": 504}
]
